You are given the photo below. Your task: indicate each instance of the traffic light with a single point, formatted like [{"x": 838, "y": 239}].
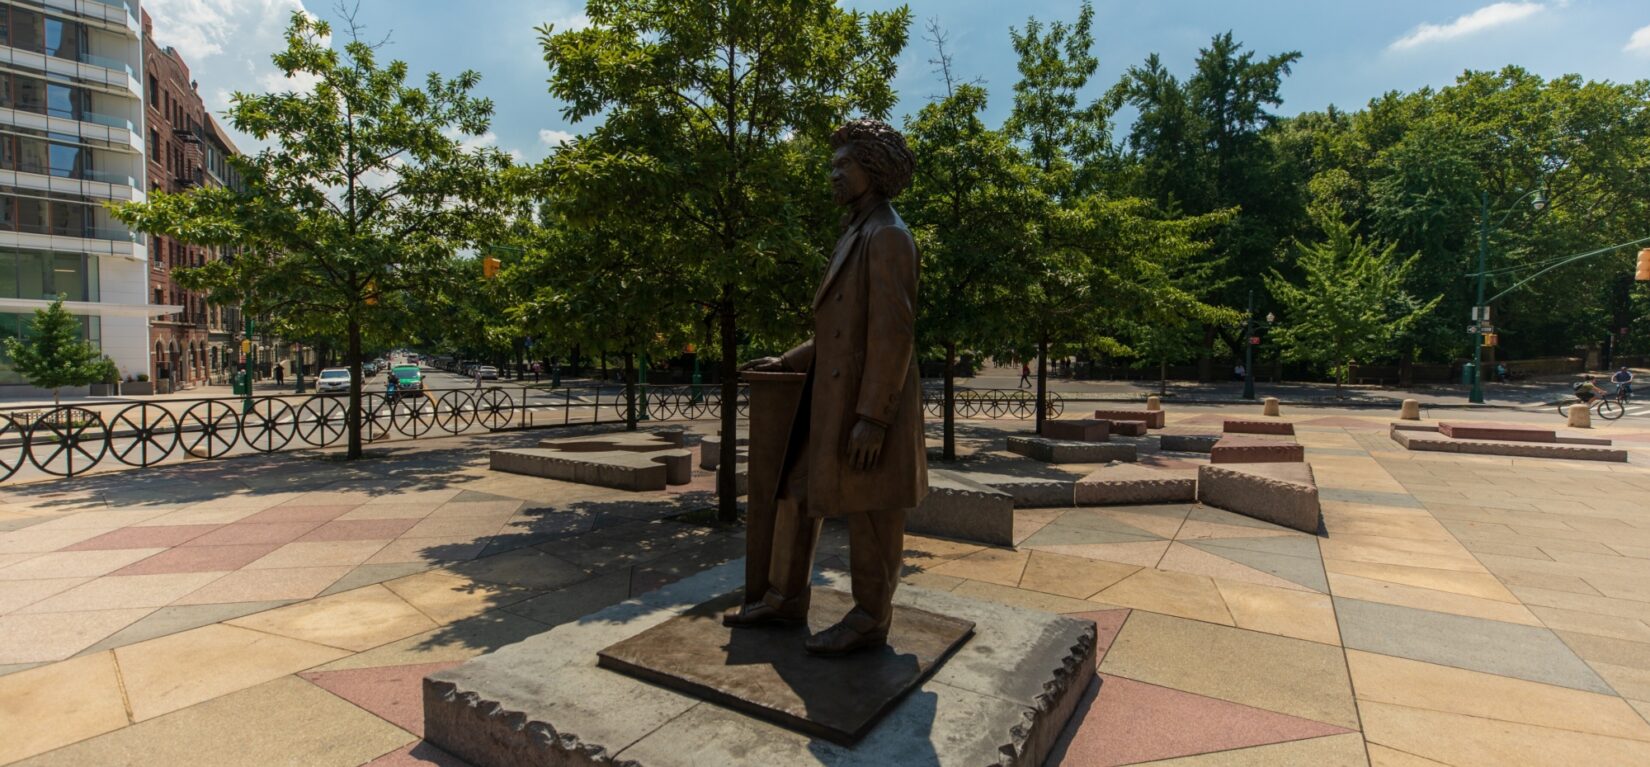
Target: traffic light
[
  {"x": 489, "y": 267},
  {"x": 1643, "y": 274},
  {"x": 1489, "y": 339}
]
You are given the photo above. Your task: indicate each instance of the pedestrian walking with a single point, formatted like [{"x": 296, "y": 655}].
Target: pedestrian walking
[
  {"x": 478, "y": 376},
  {"x": 1238, "y": 372},
  {"x": 280, "y": 374},
  {"x": 1025, "y": 375},
  {"x": 537, "y": 369}
]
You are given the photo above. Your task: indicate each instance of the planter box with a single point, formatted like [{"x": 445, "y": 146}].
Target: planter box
[
  {"x": 138, "y": 387},
  {"x": 105, "y": 390}
]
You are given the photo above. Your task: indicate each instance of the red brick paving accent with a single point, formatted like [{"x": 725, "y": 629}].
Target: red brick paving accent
[
  {"x": 419, "y": 754},
  {"x": 199, "y": 559},
  {"x": 299, "y": 514},
  {"x": 1078, "y": 430},
  {"x": 1128, "y": 428},
  {"x": 1240, "y": 426},
  {"x": 1152, "y": 418},
  {"x": 159, "y": 536},
  {"x": 243, "y": 533},
  {"x": 359, "y": 529},
  {"x": 1251, "y": 450},
  {"x": 394, "y": 693},
  {"x": 1497, "y": 432},
  {"x": 1130, "y": 722}
]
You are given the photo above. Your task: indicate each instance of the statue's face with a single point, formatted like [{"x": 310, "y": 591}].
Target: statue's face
[{"x": 849, "y": 179}]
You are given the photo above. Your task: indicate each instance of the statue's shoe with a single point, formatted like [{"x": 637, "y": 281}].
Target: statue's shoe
[
  {"x": 759, "y": 614},
  {"x": 842, "y": 640}
]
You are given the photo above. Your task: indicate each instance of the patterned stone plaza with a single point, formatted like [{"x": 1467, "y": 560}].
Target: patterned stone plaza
[{"x": 282, "y": 609}]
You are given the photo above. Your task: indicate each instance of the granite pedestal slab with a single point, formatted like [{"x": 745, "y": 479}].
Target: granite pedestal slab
[
  {"x": 1154, "y": 419},
  {"x": 623, "y": 465},
  {"x": 1002, "y": 698},
  {"x": 1126, "y": 484},
  {"x": 1029, "y": 492},
  {"x": 959, "y": 507},
  {"x": 1061, "y": 451},
  {"x": 1188, "y": 443}
]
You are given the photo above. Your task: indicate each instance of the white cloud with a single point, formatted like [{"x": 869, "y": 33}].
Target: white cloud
[
  {"x": 1488, "y": 17},
  {"x": 1640, "y": 41},
  {"x": 555, "y": 138}
]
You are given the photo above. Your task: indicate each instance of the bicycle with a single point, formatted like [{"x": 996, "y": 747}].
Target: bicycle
[{"x": 1609, "y": 407}]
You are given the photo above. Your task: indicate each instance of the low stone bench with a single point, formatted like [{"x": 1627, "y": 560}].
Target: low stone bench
[
  {"x": 1188, "y": 443},
  {"x": 618, "y": 469},
  {"x": 1154, "y": 419},
  {"x": 1129, "y": 484},
  {"x": 1438, "y": 442},
  {"x": 1028, "y": 492},
  {"x": 1127, "y": 428},
  {"x": 710, "y": 450},
  {"x": 1238, "y": 449},
  {"x": 1281, "y": 493},
  {"x": 1242, "y": 426},
  {"x": 1078, "y": 430},
  {"x": 1060, "y": 451},
  {"x": 959, "y": 507},
  {"x": 1497, "y": 432}
]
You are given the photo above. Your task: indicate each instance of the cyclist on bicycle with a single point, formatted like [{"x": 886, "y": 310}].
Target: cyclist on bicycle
[
  {"x": 1623, "y": 379},
  {"x": 1587, "y": 389}
]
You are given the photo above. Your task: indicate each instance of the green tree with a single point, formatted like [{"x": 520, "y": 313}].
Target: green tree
[
  {"x": 1350, "y": 304},
  {"x": 362, "y": 199},
  {"x": 716, "y": 115},
  {"x": 54, "y": 352}
]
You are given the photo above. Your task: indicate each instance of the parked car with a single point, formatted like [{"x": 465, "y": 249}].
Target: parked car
[
  {"x": 487, "y": 373},
  {"x": 333, "y": 381},
  {"x": 369, "y": 369},
  {"x": 408, "y": 377}
]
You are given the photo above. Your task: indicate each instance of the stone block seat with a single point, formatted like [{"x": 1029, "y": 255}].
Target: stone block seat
[
  {"x": 1029, "y": 492},
  {"x": 1573, "y": 448},
  {"x": 1243, "y": 449},
  {"x": 1247, "y": 426},
  {"x": 1127, "y": 428},
  {"x": 1281, "y": 493},
  {"x": 959, "y": 507},
  {"x": 1187, "y": 443},
  {"x": 623, "y": 461},
  {"x": 1078, "y": 430},
  {"x": 710, "y": 449},
  {"x": 1154, "y": 419},
  {"x": 1062, "y": 451},
  {"x": 1126, "y": 484}
]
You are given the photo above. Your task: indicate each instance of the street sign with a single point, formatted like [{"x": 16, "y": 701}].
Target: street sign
[
  {"x": 1254, "y": 340},
  {"x": 1481, "y": 313}
]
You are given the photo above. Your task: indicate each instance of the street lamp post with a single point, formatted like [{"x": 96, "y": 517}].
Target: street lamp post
[
  {"x": 1480, "y": 311},
  {"x": 1250, "y": 327}
]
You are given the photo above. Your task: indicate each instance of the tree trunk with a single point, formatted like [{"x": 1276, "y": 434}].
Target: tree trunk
[
  {"x": 1042, "y": 382},
  {"x": 629, "y": 391},
  {"x": 1163, "y": 376},
  {"x": 353, "y": 415},
  {"x": 727, "y": 482},
  {"x": 950, "y": 450},
  {"x": 1205, "y": 359}
]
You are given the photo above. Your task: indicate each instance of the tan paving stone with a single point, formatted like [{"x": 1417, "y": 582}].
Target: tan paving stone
[
  {"x": 32, "y": 541},
  {"x": 931, "y": 581},
  {"x": 1417, "y": 684},
  {"x": 528, "y": 568},
  {"x": 1615, "y": 627},
  {"x": 1591, "y": 603},
  {"x": 55, "y": 636},
  {"x": 1033, "y": 600},
  {"x": 286, "y": 722},
  {"x": 173, "y": 672},
  {"x": 1392, "y": 551},
  {"x": 1197, "y": 529},
  {"x": 205, "y": 514},
  {"x": 1481, "y": 585},
  {"x": 1180, "y": 594},
  {"x": 15, "y": 595},
  {"x": 456, "y": 642},
  {"x": 74, "y": 564},
  {"x": 360, "y": 619},
  {"x": 1369, "y": 590},
  {"x": 1344, "y": 750},
  {"x": 1000, "y": 566},
  {"x": 114, "y": 592},
  {"x": 455, "y": 527},
  {"x": 319, "y": 554},
  {"x": 1290, "y": 676},
  {"x": 1163, "y": 521},
  {"x": 431, "y": 550},
  {"x": 446, "y": 598},
  {"x": 1381, "y": 756},
  {"x": 1074, "y": 577},
  {"x": 58, "y": 704},
  {"x": 1287, "y": 612},
  {"x": 390, "y": 511},
  {"x": 1457, "y": 739},
  {"x": 265, "y": 585},
  {"x": 1142, "y": 554},
  {"x": 1186, "y": 559}
]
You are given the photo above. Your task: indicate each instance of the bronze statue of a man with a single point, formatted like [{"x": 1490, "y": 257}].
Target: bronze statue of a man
[{"x": 856, "y": 448}]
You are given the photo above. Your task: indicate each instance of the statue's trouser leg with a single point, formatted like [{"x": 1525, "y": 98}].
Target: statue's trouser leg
[
  {"x": 876, "y": 543},
  {"x": 795, "y": 537}
]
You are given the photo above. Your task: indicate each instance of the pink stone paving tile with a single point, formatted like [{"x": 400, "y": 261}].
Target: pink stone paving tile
[
  {"x": 143, "y": 537},
  {"x": 394, "y": 693},
  {"x": 55, "y": 636},
  {"x": 286, "y": 513},
  {"x": 199, "y": 559},
  {"x": 417, "y": 755},
  {"x": 319, "y": 554},
  {"x": 359, "y": 529},
  {"x": 244, "y": 532},
  {"x": 30, "y": 541},
  {"x": 1106, "y": 625},
  {"x": 1129, "y": 722},
  {"x": 266, "y": 585}
]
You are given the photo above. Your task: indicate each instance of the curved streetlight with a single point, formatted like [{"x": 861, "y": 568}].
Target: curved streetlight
[{"x": 1538, "y": 201}]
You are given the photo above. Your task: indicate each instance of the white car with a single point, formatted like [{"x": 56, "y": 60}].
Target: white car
[
  {"x": 487, "y": 373},
  {"x": 333, "y": 380}
]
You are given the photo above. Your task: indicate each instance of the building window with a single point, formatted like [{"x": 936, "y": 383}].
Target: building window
[{"x": 154, "y": 91}]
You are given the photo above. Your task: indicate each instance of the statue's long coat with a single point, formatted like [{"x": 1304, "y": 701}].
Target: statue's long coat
[{"x": 861, "y": 364}]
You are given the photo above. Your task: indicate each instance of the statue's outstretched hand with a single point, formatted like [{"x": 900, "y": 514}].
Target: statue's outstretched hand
[{"x": 764, "y": 365}]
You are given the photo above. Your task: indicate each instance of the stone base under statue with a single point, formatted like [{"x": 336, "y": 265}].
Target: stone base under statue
[{"x": 1001, "y": 697}]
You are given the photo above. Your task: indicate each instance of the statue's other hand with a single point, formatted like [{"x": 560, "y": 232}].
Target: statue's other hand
[
  {"x": 764, "y": 365},
  {"x": 865, "y": 444}
]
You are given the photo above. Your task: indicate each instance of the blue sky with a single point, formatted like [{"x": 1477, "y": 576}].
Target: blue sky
[{"x": 1351, "y": 50}]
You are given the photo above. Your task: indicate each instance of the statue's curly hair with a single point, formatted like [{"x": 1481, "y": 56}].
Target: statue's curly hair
[{"x": 881, "y": 150}]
